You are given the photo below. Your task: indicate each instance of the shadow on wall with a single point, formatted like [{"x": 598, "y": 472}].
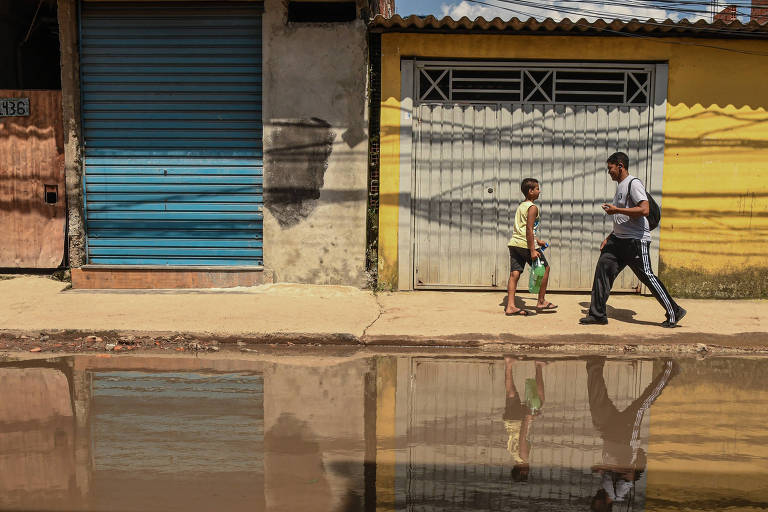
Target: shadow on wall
[{"x": 295, "y": 168}]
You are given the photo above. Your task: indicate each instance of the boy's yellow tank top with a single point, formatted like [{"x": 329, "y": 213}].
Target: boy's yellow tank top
[{"x": 521, "y": 222}]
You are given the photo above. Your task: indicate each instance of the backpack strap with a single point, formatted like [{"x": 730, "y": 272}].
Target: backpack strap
[{"x": 629, "y": 189}]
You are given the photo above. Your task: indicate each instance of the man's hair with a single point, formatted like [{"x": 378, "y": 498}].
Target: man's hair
[
  {"x": 619, "y": 158},
  {"x": 527, "y": 185}
]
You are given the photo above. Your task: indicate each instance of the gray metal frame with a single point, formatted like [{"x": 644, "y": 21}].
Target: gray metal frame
[{"x": 410, "y": 69}]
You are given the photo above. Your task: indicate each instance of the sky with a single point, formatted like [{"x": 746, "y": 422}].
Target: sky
[{"x": 559, "y": 9}]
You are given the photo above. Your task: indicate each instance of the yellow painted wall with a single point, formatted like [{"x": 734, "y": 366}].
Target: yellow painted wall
[{"x": 715, "y": 185}]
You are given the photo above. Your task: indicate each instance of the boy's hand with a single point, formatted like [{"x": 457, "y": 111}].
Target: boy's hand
[
  {"x": 610, "y": 209},
  {"x": 542, "y": 243},
  {"x": 534, "y": 254}
]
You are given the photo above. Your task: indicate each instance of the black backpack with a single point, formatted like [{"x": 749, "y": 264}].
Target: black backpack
[{"x": 654, "y": 212}]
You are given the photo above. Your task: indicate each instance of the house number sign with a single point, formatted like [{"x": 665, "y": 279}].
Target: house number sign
[{"x": 14, "y": 107}]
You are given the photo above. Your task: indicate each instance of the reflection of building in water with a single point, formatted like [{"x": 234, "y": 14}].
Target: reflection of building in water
[
  {"x": 708, "y": 448},
  {"x": 37, "y": 437},
  {"x": 456, "y": 449}
]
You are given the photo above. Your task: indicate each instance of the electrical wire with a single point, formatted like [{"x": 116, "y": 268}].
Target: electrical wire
[{"x": 629, "y": 34}]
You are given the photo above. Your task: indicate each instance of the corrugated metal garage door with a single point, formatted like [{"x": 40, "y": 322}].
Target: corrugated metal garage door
[
  {"x": 173, "y": 133},
  {"x": 471, "y": 153}
]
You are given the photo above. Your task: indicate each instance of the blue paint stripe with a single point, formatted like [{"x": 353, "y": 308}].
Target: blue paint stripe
[
  {"x": 93, "y": 170},
  {"x": 171, "y": 103},
  {"x": 149, "y": 116},
  {"x": 193, "y": 132},
  {"x": 178, "y": 197},
  {"x": 177, "y": 242},
  {"x": 172, "y": 252},
  {"x": 222, "y": 161},
  {"x": 144, "y": 260},
  {"x": 122, "y": 153},
  {"x": 178, "y": 225},
  {"x": 133, "y": 179},
  {"x": 167, "y": 234},
  {"x": 142, "y": 206},
  {"x": 201, "y": 88},
  {"x": 173, "y": 138}
]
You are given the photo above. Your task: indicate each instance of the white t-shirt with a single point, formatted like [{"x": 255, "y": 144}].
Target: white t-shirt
[{"x": 625, "y": 226}]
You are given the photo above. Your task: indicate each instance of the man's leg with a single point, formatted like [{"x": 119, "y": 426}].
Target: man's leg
[
  {"x": 640, "y": 263},
  {"x": 634, "y": 412},
  {"x": 608, "y": 267},
  {"x": 600, "y": 405}
]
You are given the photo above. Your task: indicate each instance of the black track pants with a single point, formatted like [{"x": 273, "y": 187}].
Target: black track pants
[{"x": 617, "y": 254}]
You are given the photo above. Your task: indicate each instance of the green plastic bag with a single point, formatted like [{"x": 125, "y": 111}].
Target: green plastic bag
[
  {"x": 535, "y": 275},
  {"x": 532, "y": 399}
]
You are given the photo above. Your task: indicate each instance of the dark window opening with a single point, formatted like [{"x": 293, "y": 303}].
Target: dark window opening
[
  {"x": 321, "y": 12},
  {"x": 51, "y": 194},
  {"x": 29, "y": 45}
]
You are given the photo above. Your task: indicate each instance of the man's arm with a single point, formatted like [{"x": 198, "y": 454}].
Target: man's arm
[
  {"x": 641, "y": 210},
  {"x": 533, "y": 212}
]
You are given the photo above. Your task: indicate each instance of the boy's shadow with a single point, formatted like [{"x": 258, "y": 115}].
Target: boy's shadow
[
  {"x": 622, "y": 315},
  {"x": 519, "y": 303}
]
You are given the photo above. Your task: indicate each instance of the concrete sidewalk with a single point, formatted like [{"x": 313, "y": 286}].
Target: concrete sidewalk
[{"x": 32, "y": 306}]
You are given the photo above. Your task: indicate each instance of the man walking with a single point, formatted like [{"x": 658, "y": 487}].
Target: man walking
[{"x": 628, "y": 244}]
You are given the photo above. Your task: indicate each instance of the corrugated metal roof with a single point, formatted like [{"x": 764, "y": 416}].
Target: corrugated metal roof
[{"x": 667, "y": 28}]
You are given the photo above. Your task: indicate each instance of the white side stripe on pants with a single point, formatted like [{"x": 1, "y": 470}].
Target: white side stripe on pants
[
  {"x": 654, "y": 280},
  {"x": 646, "y": 404}
]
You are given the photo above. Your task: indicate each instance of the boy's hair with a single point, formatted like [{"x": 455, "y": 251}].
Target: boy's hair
[
  {"x": 527, "y": 185},
  {"x": 619, "y": 158}
]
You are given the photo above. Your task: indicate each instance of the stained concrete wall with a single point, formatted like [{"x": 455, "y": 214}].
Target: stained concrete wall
[
  {"x": 70, "y": 103},
  {"x": 315, "y": 148}
]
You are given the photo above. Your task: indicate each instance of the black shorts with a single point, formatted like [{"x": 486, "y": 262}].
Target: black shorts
[
  {"x": 518, "y": 257},
  {"x": 514, "y": 410}
]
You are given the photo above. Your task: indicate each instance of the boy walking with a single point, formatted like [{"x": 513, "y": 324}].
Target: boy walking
[
  {"x": 522, "y": 248},
  {"x": 627, "y": 245}
]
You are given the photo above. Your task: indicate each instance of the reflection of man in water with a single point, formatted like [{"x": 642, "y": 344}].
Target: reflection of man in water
[
  {"x": 519, "y": 414},
  {"x": 623, "y": 458}
]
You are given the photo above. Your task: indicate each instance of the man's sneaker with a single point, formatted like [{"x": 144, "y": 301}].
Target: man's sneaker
[
  {"x": 679, "y": 314},
  {"x": 589, "y": 320}
]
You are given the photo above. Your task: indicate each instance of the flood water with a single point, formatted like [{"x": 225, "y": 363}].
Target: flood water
[{"x": 379, "y": 432}]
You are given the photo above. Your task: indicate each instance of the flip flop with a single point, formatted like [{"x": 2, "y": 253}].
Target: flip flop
[
  {"x": 519, "y": 312},
  {"x": 549, "y": 305}
]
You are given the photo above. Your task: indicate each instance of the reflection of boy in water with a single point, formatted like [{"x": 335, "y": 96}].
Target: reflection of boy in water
[
  {"x": 623, "y": 459},
  {"x": 518, "y": 418}
]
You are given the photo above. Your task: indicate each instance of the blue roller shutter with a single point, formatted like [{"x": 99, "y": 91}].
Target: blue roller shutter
[{"x": 173, "y": 133}]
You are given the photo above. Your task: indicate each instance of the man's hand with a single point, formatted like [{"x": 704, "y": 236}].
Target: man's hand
[
  {"x": 534, "y": 254},
  {"x": 610, "y": 209},
  {"x": 603, "y": 244}
]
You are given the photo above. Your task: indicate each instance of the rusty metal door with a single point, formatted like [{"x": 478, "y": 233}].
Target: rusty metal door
[{"x": 32, "y": 206}]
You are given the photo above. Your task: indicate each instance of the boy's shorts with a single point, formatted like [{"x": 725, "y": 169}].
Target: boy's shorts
[
  {"x": 518, "y": 257},
  {"x": 514, "y": 409}
]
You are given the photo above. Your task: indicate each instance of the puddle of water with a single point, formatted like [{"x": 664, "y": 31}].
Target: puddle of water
[{"x": 383, "y": 432}]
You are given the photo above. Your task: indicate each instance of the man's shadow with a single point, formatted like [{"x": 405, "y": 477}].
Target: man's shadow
[{"x": 622, "y": 315}]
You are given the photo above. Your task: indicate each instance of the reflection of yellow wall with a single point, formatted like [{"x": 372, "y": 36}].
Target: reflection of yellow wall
[
  {"x": 715, "y": 188},
  {"x": 707, "y": 441}
]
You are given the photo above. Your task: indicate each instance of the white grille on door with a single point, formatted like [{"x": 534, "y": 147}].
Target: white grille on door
[{"x": 535, "y": 84}]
